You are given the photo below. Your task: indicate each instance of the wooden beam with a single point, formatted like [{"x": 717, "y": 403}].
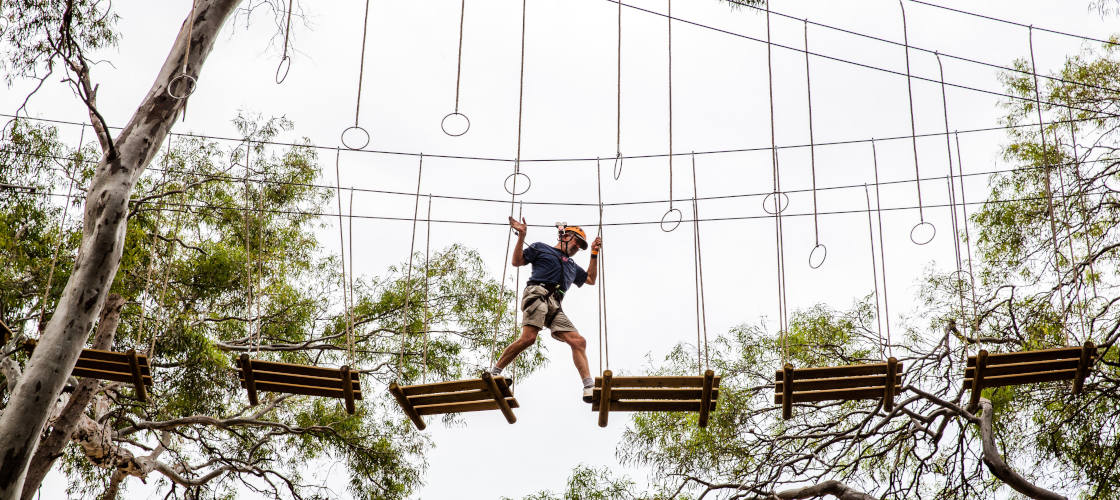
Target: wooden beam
[
  {"x": 298, "y": 369},
  {"x": 981, "y": 361},
  {"x": 888, "y": 388},
  {"x": 605, "y": 398},
  {"x": 121, "y": 366},
  {"x": 1026, "y": 367},
  {"x": 657, "y": 405},
  {"x": 250, "y": 383},
  {"x": 787, "y": 399},
  {"x": 116, "y": 376},
  {"x": 1003, "y": 358},
  {"x": 499, "y": 398},
  {"x": 837, "y": 371},
  {"x": 706, "y": 397},
  {"x": 669, "y": 381},
  {"x": 1088, "y": 352},
  {"x": 347, "y": 388},
  {"x": 442, "y": 408},
  {"x": 451, "y": 397},
  {"x": 674, "y": 393},
  {"x": 305, "y": 390},
  {"x": 402, "y": 400},
  {"x": 802, "y": 384},
  {"x": 137, "y": 378},
  {"x": 833, "y": 394}
]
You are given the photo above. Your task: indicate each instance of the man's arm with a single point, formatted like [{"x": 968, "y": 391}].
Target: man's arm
[
  {"x": 593, "y": 267},
  {"x": 521, "y": 228}
]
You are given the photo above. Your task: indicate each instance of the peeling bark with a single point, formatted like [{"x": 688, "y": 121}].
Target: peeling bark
[
  {"x": 106, "y": 214},
  {"x": 50, "y": 448},
  {"x": 999, "y": 468},
  {"x": 834, "y": 488}
]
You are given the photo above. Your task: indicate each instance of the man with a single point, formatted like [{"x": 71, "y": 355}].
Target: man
[{"x": 554, "y": 272}]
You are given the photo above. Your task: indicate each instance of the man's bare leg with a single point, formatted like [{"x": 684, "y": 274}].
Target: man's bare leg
[
  {"x": 579, "y": 351},
  {"x": 527, "y": 338}
]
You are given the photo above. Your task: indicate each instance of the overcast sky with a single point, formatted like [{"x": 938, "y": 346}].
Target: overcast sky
[{"x": 720, "y": 102}]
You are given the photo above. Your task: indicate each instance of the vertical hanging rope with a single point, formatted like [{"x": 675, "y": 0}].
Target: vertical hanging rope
[
  {"x": 155, "y": 241},
  {"x": 427, "y": 278},
  {"x": 952, "y": 193},
  {"x": 913, "y": 126},
  {"x": 516, "y": 297},
  {"x": 600, "y": 294},
  {"x": 812, "y": 157},
  {"x": 702, "y": 306},
  {"x": 1050, "y": 193},
  {"x": 350, "y": 280},
  {"x": 1080, "y": 190},
  {"x": 882, "y": 248},
  {"x": 617, "y": 171},
  {"x": 459, "y": 63},
  {"x": 967, "y": 235},
  {"x": 169, "y": 256},
  {"x": 669, "y": 53},
  {"x": 248, "y": 256},
  {"x": 358, "y": 99},
  {"x": 408, "y": 275},
  {"x": 346, "y": 300},
  {"x": 281, "y": 75},
  {"x": 874, "y": 271},
  {"x": 777, "y": 185},
  {"x": 61, "y": 227}
]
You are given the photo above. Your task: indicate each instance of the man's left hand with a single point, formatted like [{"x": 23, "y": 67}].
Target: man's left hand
[{"x": 597, "y": 245}]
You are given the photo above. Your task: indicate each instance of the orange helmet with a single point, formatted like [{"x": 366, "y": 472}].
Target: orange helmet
[{"x": 581, "y": 236}]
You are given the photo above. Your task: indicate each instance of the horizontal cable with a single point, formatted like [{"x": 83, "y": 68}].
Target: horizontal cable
[{"x": 991, "y": 18}]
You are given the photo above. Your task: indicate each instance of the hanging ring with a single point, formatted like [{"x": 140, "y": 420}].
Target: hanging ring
[
  {"x": 282, "y": 69},
  {"x": 357, "y": 134},
  {"x": 782, "y": 203},
  {"x": 618, "y": 165},
  {"x": 674, "y": 222},
  {"x": 919, "y": 237},
  {"x": 182, "y": 79},
  {"x": 510, "y": 187},
  {"x": 455, "y": 124},
  {"x": 817, "y": 256}
]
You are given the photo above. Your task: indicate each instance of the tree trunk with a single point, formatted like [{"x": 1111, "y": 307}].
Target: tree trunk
[
  {"x": 51, "y": 447},
  {"x": 105, "y": 218},
  {"x": 834, "y": 488},
  {"x": 999, "y": 468}
]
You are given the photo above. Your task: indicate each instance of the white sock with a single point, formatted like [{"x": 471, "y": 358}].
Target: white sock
[
  {"x": 589, "y": 382},
  {"x": 494, "y": 370}
]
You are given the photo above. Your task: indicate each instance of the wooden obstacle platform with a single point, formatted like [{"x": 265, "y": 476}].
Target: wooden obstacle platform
[
  {"x": 844, "y": 383},
  {"x": 476, "y": 394},
  {"x": 127, "y": 367},
  {"x": 290, "y": 378},
  {"x": 1028, "y": 367},
  {"x": 695, "y": 393}
]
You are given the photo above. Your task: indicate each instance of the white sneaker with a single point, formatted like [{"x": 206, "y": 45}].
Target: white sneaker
[{"x": 588, "y": 394}]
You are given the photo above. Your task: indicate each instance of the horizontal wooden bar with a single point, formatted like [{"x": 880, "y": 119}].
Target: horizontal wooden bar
[
  {"x": 110, "y": 366},
  {"x": 450, "y": 397},
  {"x": 692, "y": 405},
  {"x": 297, "y": 369},
  {"x": 837, "y": 383},
  {"x": 302, "y": 389},
  {"x": 1027, "y": 367},
  {"x": 438, "y": 409},
  {"x": 837, "y": 371},
  {"x": 288, "y": 378},
  {"x": 1024, "y": 378},
  {"x": 1003, "y": 358},
  {"x": 652, "y": 393},
  {"x": 453, "y": 386},
  {"x": 120, "y": 357},
  {"x": 107, "y": 375},
  {"x": 834, "y": 394},
  {"x": 671, "y": 381}
]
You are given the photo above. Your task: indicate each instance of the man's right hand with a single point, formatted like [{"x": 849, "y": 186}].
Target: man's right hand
[{"x": 520, "y": 227}]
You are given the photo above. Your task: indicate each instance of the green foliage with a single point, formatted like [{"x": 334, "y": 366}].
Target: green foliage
[
  {"x": 587, "y": 483},
  {"x": 31, "y": 45}
]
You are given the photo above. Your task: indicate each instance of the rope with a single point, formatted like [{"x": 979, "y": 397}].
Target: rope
[
  {"x": 951, "y": 191},
  {"x": 361, "y": 64},
  {"x": 287, "y": 31},
  {"x": 427, "y": 276},
  {"x": 812, "y": 156},
  {"x": 1076, "y": 164},
  {"x": 776, "y": 193},
  {"x": 61, "y": 239},
  {"x": 882, "y": 249},
  {"x": 155, "y": 241},
  {"x": 967, "y": 236},
  {"x": 874, "y": 271},
  {"x": 599, "y": 294},
  {"x": 698, "y": 269},
  {"x": 408, "y": 276},
  {"x": 913, "y": 126},
  {"x": 1046, "y": 177},
  {"x": 516, "y": 300},
  {"x": 248, "y": 255},
  {"x": 260, "y": 261},
  {"x": 617, "y": 172},
  {"x": 669, "y": 23},
  {"x": 346, "y": 299},
  {"x": 459, "y": 63}
]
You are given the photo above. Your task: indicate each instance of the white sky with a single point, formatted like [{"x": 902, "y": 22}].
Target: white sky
[{"x": 719, "y": 102}]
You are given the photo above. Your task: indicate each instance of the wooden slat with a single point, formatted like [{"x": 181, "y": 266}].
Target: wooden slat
[
  {"x": 335, "y": 392},
  {"x": 789, "y": 375},
  {"x": 110, "y": 366},
  {"x": 1025, "y": 378},
  {"x": 106, "y": 375},
  {"x": 453, "y": 386},
  {"x": 606, "y": 389},
  {"x": 499, "y": 398},
  {"x": 249, "y": 382},
  {"x": 119, "y": 357},
  {"x": 674, "y": 381},
  {"x": 348, "y": 389},
  {"x": 1003, "y": 358},
  {"x": 287, "y": 378},
  {"x": 409, "y": 410},
  {"x": 838, "y": 371},
  {"x": 693, "y": 405},
  {"x": 977, "y": 384},
  {"x": 450, "y": 397},
  {"x": 1088, "y": 352},
  {"x": 1026, "y": 367},
  {"x": 889, "y": 390},
  {"x": 836, "y": 383},
  {"x": 137, "y": 378},
  {"x": 653, "y": 393},
  {"x": 297, "y": 369},
  {"x": 833, "y": 394},
  {"x": 707, "y": 395},
  {"x": 462, "y": 407}
]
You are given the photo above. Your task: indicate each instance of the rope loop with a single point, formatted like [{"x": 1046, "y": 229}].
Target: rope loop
[
  {"x": 188, "y": 84},
  {"x": 358, "y": 138},
  {"x": 780, "y": 204},
  {"x": 617, "y": 165},
  {"x": 817, "y": 256},
  {"x": 282, "y": 69},
  {"x": 510, "y": 183},
  {"x": 922, "y": 233},
  {"x": 668, "y": 223},
  {"x": 455, "y": 124}
]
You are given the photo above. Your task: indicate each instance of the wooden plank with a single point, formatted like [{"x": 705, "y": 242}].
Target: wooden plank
[
  {"x": 836, "y": 383},
  {"x": 677, "y": 393},
  {"x": 499, "y": 398},
  {"x": 297, "y": 369},
  {"x": 450, "y": 397},
  {"x": 249, "y": 382},
  {"x": 305, "y": 390},
  {"x": 981, "y": 363},
  {"x": 344, "y": 380},
  {"x": 672, "y": 381},
  {"x": 832, "y": 394},
  {"x": 112, "y": 376},
  {"x": 1024, "y": 378},
  {"x": 111, "y": 366},
  {"x": 889, "y": 389},
  {"x": 287, "y": 378},
  {"x": 137, "y": 378},
  {"x": 1026, "y": 367},
  {"x": 1088, "y": 352},
  {"x": 402, "y": 400},
  {"x": 119, "y": 357},
  {"x": 838, "y": 371},
  {"x": 692, "y": 405},
  {"x": 452, "y": 386},
  {"x": 462, "y": 407},
  {"x": 1003, "y": 358},
  {"x": 706, "y": 397},
  {"x": 788, "y": 375},
  {"x": 605, "y": 397}
]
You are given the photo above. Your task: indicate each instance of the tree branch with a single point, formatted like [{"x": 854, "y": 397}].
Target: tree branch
[{"x": 999, "y": 468}]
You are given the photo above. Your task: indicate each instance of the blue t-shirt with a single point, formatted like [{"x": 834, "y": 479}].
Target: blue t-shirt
[{"x": 552, "y": 266}]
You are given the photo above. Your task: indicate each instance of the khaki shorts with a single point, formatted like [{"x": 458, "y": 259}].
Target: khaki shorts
[{"x": 537, "y": 305}]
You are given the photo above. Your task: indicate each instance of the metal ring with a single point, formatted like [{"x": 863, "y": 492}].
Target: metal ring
[
  {"x": 680, "y": 217},
  {"x": 455, "y": 124},
  {"x": 506, "y": 184},
  {"x": 365, "y": 133},
  {"x": 191, "y": 84},
  {"x": 285, "y": 65},
  {"x": 823, "y": 255},
  {"x": 618, "y": 165},
  {"x": 781, "y": 207},
  {"x": 919, "y": 241}
]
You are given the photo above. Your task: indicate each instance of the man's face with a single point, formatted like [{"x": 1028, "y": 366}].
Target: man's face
[{"x": 570, "y": 243}]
